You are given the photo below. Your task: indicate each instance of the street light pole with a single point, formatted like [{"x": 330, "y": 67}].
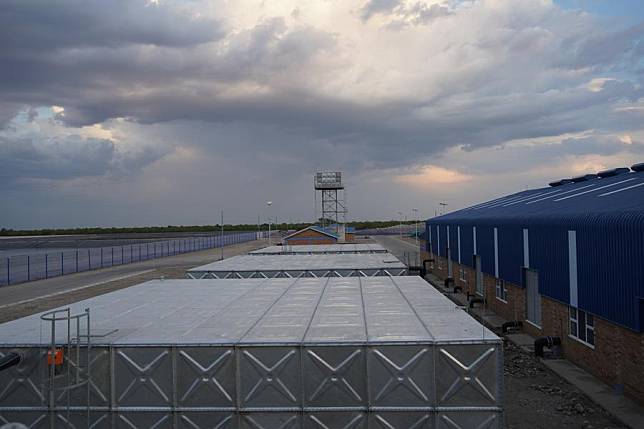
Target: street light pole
[
  {"x": 269, "y": 203},
  {"x": 415, "y": 210},
  {"x": 222, "y": 235}
]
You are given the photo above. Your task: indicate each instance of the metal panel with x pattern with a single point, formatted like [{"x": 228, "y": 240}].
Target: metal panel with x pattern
[{"x": 319, "y": 353}]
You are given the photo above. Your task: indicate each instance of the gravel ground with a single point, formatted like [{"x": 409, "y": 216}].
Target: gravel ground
[{"x": 537, "y": 398}]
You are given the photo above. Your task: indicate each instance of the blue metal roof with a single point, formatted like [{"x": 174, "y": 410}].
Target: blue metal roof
[{"x": 607, "y": 216}]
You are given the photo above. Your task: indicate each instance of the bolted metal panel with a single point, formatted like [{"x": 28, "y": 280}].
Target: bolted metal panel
[
  {"x": 469, "y": 420},
  {"x": 32, "y": 419},
  {"x": 269, "y": 377},
  {"x": 335, "y": 420},
  {"x": 388, "y": 352},
  {"x": 311, "y": 249},
  {"x": 302, "y": 265},
  {"x": 206, "y": 377},
  {"x": 78, "y": 420},
  {"x": 144, "y": 419},
  {"x": 270, "y": 421},
  {"x": 143, "y": 377},
  {"x": 402, "y": 420},
  {"x": 21, "y": 385},
  {"x": 401, "y": 376},
  {"x": 76, "y": 396},
  {"x": 467, "y": 375},
  {"x": 207, "y": 420},
  {"x": 335, "y": 377}
]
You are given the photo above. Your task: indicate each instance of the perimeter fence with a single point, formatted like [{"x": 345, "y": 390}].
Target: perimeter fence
[{"x": 24, "y": 268}]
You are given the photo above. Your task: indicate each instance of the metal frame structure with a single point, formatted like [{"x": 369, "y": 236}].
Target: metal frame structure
[
  {"x": 387, "y": 352},
  {"x": 314, "y": 249},
  {"x": 295, "y": 266},
  {"x": 333, "y": 207}
]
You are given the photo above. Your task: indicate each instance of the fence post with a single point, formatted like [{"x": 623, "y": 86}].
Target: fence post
[
  {"x": 122, "y": 255},
  {"x": 101, "y": 257},
  {"x": 46, "y": 264},
  {"x": 112, "y": 264},
  {"x": 8, "y": 271},
  {"x": 28, "y": 269},
  {"x": 62, "y": 263},
  {"x": 89, "y": 259},
  {"x": 77, "y": 261}
]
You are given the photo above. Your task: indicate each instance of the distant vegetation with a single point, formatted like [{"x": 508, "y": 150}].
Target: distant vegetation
[{"x": 185, "y": 228}]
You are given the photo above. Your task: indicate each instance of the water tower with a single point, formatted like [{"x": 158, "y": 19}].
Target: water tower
[{"x": 333, "y": 207}]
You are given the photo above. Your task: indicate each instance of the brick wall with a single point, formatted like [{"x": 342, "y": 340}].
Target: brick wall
[{"x": 618, "y": 355}]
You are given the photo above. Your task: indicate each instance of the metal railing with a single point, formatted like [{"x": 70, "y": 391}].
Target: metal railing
[{"x": 25, "y": 268}]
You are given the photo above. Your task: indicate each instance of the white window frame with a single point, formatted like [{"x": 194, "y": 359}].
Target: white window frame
[
  {"x": 574, "y": 317},
  {"x": 501, "y": 290},
  {"x": 461, "y": 274}
]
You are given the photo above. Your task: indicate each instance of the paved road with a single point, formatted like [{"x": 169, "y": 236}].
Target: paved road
[
  {"x": 27, "y": 298},
  {"x": 406, "y": 251}
]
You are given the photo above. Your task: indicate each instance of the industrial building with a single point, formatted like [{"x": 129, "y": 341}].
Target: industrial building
[
  {"x": 566, "y": 260},
  {"x": 311, "y": 235},
  {"x": 381, "y": 352},
  {"x": 298, "y": 265}
]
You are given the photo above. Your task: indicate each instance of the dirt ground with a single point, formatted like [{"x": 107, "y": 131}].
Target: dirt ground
[{"x": 537, "y": 398}]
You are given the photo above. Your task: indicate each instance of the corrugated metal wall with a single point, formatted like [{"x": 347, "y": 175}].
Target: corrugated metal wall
[
  {"x": 610, "y": 260},
  {"x": 510, "y": 253},
  {"x": 467, "y": 246}
]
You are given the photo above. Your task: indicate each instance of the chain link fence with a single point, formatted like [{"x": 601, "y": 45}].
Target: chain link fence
[{"x": 25, "y": 268}]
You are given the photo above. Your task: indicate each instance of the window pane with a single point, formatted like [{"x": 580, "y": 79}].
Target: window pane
[
  {"x": 573, "y": 313},
  {"x": 573, "y": 328},
  {"x": 590, "y": 337},
  {"x": 590, "y": 320},
  {"x": 582, "y": 325}
]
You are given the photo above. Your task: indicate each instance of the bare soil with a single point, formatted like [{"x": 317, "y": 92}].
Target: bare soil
[{"x": 535, "y": 397}]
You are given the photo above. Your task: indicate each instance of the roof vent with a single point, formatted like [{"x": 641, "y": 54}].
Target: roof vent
[
  {"x": 583, "y": 178},
  {"x": 638, "y": 167},
  {"x": 613, "y": 172}
]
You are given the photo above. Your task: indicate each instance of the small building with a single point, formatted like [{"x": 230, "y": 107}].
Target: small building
[
  {"x": 311, "y": 235},
  {"x": 565, "y": 260}
]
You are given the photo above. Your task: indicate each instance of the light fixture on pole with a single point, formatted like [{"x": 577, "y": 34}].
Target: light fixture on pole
[
  {"x": 415, "y": 210},
  {"x": 269, "y": 204},
  {"x": 222, "y": 235}
]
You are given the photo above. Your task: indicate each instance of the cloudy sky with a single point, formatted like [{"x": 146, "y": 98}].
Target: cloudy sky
[{"x": 129, "y": 112}]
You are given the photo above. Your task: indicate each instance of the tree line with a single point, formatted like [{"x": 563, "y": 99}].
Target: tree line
[{"x": 186, "y": 228}]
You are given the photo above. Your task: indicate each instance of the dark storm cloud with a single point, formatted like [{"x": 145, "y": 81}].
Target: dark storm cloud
[
  {"x": 273, "y": 96},
  {"x": 34, "y": 26},
  {"x": 57, "y": 158}
]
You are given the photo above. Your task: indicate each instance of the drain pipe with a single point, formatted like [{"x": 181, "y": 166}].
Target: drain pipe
[
  {"x": 513, "y": 324},
  {"x": 542, "y": 342},
  {"x": 9, "y": 360}
]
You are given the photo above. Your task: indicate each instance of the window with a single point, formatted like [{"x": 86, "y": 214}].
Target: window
[
  {"x": 501, "y": 290},
  {"x": 582, "y": 326},
  {"x": 439, "y": 263},
  {"x": 461, "y": 274}
]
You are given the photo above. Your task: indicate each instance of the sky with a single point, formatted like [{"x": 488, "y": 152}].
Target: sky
[{"x": 132, "y": 113}]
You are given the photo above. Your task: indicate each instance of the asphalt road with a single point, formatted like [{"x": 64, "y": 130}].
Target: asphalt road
[
  {"x": 27, "y": 298},
  {"x": 406, "y": 251}
]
